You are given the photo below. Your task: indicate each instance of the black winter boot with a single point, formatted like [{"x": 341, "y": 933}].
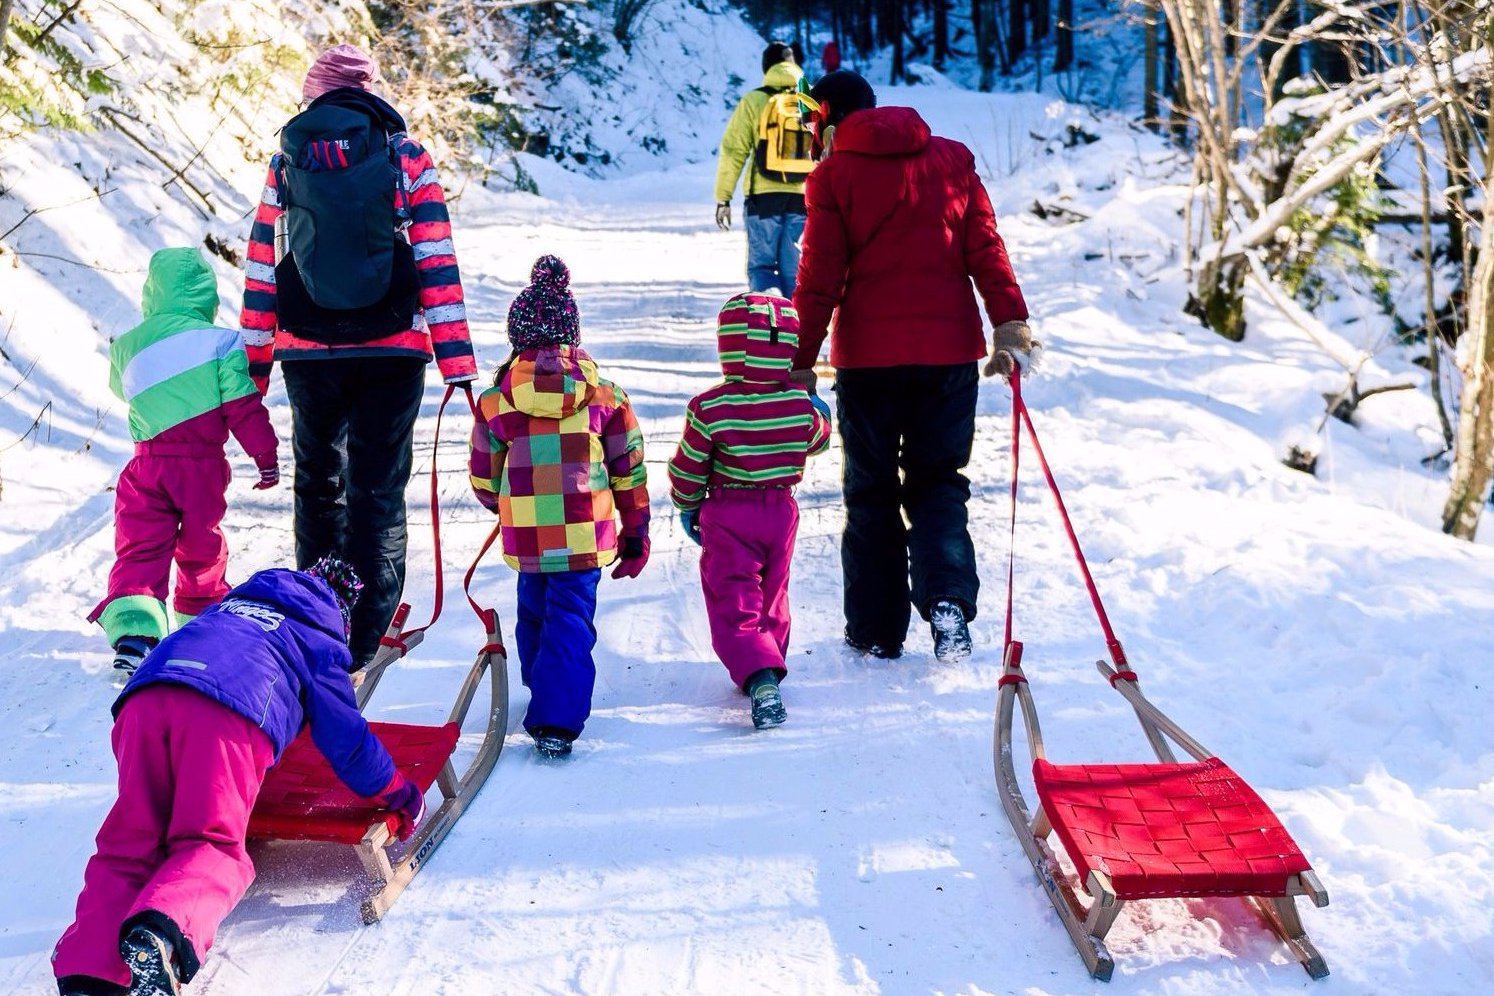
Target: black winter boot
[
  {"x": 767, "y": 700},
  {"x": 951, "y": 633},
  {"x": 129, "y": 651},
  {"x": 151, "y": 961},
  {"x": 551, "y": 742}
]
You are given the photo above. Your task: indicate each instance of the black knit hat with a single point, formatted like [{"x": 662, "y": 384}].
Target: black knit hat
[
  {"x": 845, "y": 92},
  {"x": 544, "y": 313},
  {"x": 776, "y": 52},
  {"x": 345, "y": 585}
]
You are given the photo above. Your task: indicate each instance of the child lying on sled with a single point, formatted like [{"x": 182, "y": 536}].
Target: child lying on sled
[{"x": 195, "y": 730}]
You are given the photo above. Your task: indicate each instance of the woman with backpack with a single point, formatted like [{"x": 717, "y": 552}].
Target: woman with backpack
[{"x": 353, "y": 312}]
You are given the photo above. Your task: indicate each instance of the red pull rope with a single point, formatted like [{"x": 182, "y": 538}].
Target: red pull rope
[
  {"x": 1021, "y": 415},
  {"x": 1011, "y": 548},
  {"x": 488, "y": 617},
  {"x": 436, "y": 507}
]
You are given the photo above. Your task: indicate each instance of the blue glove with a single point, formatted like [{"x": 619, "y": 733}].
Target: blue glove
[
  {"x": 690, "y": 519},
  {"x": 820, "y": 405}
]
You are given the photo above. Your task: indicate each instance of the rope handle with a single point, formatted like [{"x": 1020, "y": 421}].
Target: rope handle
[
  {"x": 1020, "y": 417},
  {"x": 486, "y": 616}
]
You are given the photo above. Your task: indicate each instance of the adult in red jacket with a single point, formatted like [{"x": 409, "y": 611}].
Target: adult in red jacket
[{"x": 898, "y": 228}]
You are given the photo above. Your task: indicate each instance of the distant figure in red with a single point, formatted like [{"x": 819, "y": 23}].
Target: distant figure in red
[{"x": 830, "y": 57}]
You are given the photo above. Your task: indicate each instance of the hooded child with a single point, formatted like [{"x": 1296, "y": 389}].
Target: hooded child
[
  {"x": 558, "y": 454},
  {"x": 732, "y": 477},
  {"x": 187, "y": 385}
]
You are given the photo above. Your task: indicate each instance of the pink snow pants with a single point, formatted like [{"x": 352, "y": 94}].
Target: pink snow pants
[
  {"x": 189, "y": 772},
  {"x": 747, "y": 541},
  {"x": 169, "y": 504}
]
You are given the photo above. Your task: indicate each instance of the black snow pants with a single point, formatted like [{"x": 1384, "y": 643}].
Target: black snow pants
[
  {"x": 352, "y": 427},
  {"x": 907, "y": 434}
]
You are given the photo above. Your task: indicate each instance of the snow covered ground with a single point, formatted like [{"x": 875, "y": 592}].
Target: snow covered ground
[{"x": 1319, "y": 634}]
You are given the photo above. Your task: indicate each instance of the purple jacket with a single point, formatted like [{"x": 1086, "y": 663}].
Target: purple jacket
[{"x": 272, "y": 651}]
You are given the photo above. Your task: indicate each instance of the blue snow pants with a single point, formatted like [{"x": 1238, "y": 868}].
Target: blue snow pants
[{"x": 555, "y": 634}]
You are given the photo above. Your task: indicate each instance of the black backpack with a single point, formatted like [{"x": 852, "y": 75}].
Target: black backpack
[{"x": 348, "y": 273}]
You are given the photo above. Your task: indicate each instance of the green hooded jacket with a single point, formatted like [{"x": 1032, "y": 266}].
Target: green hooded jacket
[
  {"x": 176, "y": 364},
  {"x": 740, "y": 139}
]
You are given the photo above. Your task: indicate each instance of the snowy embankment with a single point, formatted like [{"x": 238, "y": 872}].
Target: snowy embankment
[{"x": 1318, "y": 634}]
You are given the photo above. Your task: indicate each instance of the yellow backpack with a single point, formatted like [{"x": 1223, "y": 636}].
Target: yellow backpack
[{"x": 783, "y": 140}]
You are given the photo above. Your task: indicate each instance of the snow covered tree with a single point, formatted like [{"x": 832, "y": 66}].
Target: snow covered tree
[
  {"x": 1232, "y": 89},
  {"x": 1473, "y": 453}
]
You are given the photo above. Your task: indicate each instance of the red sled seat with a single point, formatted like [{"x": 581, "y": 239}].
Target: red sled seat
[
  {"x": 1168, "y": 830},
  {"x": 302, "y": 799}
]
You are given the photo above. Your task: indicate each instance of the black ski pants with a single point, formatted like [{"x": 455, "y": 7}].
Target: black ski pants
[
  {"x": 352, "y": 428},
  {"x": 906, "y": 434}
]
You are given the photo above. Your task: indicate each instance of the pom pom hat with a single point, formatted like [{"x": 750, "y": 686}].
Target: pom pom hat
[
  {"x": 544, "y": 313},
  {"x": 345, "y": 585}
]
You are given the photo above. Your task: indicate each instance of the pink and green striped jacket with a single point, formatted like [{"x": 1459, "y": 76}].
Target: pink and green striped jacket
[
  {"x": 557, "y": 452},
  {"x": 756, "y": 428},
  {"x": 441, "y": 326}
]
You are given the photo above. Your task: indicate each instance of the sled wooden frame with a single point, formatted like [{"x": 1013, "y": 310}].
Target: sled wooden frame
[
  {"x": 388, "y": 876},
  {"x": 1088, "y": 924}
]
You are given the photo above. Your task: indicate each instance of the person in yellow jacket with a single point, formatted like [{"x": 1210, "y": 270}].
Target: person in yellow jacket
[{"x": 774, "y": 208}]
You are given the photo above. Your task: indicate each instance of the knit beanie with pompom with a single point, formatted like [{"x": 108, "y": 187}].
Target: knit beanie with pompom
[
  {"x": 544, "y": 313},
  {"x": 345, "y": 585}
]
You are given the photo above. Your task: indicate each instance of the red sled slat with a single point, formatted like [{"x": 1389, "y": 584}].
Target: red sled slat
[
  {"x": 1168, "y": 830},
  {"x": 302, "y": 799}
]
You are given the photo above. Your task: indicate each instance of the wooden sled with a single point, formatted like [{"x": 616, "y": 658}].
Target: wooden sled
[
  {"x": 303, "y": 800},
  {"x": 1140, "y": 831}
]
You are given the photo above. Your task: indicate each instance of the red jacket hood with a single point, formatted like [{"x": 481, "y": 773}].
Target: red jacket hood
[{"x": 882, "y": 131}]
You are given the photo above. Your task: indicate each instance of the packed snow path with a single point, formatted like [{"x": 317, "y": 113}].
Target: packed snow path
[{"x": 1332, "y": 651}]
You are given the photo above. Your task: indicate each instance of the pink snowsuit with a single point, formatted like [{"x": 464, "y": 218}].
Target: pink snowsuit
[
  {"x": 742, "y": 452},
  {"x": 189, "y": 772},
  {"x": 187, "y": 383},
  {"x": 746, "y": 544},
  {"x": 170, "y": 502}
]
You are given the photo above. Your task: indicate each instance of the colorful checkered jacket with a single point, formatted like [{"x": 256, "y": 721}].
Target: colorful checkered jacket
[
  {"x": 756, "y": 428},
  {"x": 440, "y": 328},
  {"x": 557, "y": 452}
]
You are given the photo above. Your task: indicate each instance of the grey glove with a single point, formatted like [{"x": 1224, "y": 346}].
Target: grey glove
[
  {"x": 807, "y": 379},
  {"x": 723, "y": 215},
  {"x": 1011, "y": 346}
]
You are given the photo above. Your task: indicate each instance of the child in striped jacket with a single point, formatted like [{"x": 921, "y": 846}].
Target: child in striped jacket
[
  {"x": 742, "y": 452},
  {"x": 187, "y": 385},
  {"x": 558, "y": 454}
]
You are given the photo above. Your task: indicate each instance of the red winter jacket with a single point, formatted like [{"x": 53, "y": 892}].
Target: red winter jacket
[{"x": 898, "y": 224}]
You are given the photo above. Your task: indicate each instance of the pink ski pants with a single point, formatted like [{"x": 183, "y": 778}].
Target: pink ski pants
[
  {"x": 747, "y": 541},
  {"x": 169, "y": 504},
  {"x": 189, "y": 772}
]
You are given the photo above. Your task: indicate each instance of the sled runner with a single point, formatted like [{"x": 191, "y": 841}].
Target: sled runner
[
  {"x": 303, "y": 800},
  {"x": 1168, "y": 829}
]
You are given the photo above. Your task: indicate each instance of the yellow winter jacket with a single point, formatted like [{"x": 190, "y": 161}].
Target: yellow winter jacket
[{"x": 740, "y": 139}]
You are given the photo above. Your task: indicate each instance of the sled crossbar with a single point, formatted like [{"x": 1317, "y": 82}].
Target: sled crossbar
[{"x": 1139, "y": 831}]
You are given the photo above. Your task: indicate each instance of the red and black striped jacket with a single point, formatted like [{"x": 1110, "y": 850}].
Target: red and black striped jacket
[{"x": 440, "y": 327}]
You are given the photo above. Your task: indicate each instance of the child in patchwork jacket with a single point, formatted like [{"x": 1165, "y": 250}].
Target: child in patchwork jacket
[
  {"x": 195, "y": 730},
  {"x": 742, "y": 452},
  {"x": 187, "y": 385},
  {"x": 558, "y": 454}
]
